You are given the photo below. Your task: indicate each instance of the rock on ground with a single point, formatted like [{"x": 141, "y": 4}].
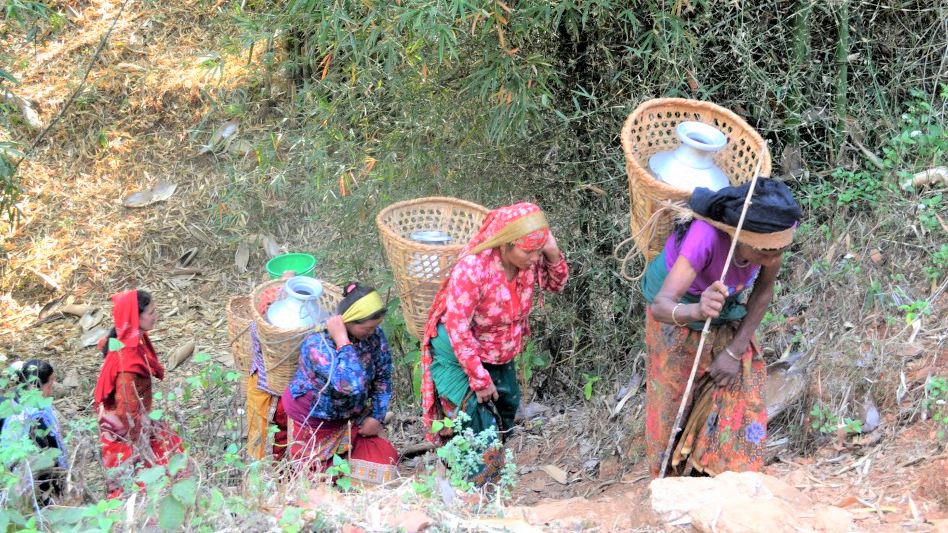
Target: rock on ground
[{"x": 742, "y": 503}]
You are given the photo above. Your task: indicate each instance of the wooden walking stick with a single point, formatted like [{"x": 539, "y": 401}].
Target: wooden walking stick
[{"x": 707, "y": 323}]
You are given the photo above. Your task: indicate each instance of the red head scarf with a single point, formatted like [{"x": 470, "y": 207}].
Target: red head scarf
[
  {"x": 522, "y": 224},
  {"x": 136, "y": 356}
]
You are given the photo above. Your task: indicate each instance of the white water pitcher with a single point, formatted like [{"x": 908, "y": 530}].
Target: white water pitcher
[
  {"x": 300, "y": 308},
  {"x": 690, "y": 165}
]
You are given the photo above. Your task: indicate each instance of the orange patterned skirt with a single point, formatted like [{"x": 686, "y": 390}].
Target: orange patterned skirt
[{"x": 724, "y": 430}]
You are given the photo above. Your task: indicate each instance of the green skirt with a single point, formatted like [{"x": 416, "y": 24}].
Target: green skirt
[{"x": 453, "y": 385}]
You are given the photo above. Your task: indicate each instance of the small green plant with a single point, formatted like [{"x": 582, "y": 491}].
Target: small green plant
[
  {"x": 939, "y": 265},
  {"x": 852, "y": 426},
  {"x": 9, "y": 181},
  {"x": 530, "y": 360},
  {"x": 588, "y": 385},
  {"x": 936, "y": 402},
  {"x": 341, "y": 471},
  {"x": 824, "y": 420},
  {"x": 849, "y": 189},
  {"x": 915, "y": 310},
  {"x": 463, "y": 456}
]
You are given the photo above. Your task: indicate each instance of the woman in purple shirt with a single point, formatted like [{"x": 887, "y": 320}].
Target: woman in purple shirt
[{"x": 727, "y": 421}]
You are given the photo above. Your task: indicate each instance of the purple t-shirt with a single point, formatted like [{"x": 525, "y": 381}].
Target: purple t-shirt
[{"x": 706, "y": 248}]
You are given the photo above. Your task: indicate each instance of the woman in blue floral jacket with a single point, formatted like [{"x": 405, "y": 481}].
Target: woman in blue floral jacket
[{"x": 338, "y": 398}]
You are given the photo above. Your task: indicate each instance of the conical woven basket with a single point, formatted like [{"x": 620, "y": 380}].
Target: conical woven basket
[
  {"x": 281, "y": 347},
  {"x": 419, "y": 269},
  {"x": 650, "y": 129}
]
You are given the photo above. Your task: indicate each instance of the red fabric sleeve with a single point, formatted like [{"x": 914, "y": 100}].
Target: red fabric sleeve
[
  {"x": 131, "y": 401},
  {"x": 554, "y": 276},
  {"x": 463, "y": 295}
]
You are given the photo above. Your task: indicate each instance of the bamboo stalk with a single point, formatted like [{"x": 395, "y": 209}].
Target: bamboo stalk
[
  {"x": 800, "y": 41},
  {"x": 842, "y": 72}
]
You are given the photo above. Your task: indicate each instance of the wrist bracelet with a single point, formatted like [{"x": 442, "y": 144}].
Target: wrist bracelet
[
  {"x": 343, "y": 345},
  {"x": 731, "y": 354},
  {"x": 674, "y": 319}
]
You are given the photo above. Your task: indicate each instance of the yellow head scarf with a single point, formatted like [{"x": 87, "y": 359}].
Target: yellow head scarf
[{"x": 363, "y": 308}]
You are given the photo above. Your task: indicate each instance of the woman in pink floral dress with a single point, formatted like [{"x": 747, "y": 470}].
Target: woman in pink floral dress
[{"x": 478, "y": 321}]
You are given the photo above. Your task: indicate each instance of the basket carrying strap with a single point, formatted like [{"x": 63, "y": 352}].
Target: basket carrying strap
[
  {"x": 650, "y": 227},
  {"x": 239, "y": 335}
]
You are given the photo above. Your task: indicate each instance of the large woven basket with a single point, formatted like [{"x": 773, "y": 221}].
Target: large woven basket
[
  {"x": 419, "y": 269},
  {"x": 239, "y": 317},
  {"x": 650, "y": 129},
  {"x": 281, "y": 347}
]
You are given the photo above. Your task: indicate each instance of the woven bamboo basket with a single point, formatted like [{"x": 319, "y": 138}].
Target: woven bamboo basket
[
  {"x": 650, "y": 129},
  {"x": 281, "y": 347},
  {"x": 239, "y": 317},
  {"x": 419, "y": 269}
]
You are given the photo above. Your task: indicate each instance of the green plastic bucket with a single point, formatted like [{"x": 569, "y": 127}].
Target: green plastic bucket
[{"x": 303, "y": 264}]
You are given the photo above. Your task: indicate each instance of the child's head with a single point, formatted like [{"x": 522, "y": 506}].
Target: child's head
[
  {"x": 37, "y": 374},
  {"x": 147, "y": 313},
  {"x": 147, "y": 316}
]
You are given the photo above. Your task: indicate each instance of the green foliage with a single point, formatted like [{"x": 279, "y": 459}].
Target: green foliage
[
  {"x": 530, "y": 360},
  {"x": 923, "y": 142},
  {"x": 936, "y": 402},
  {"x": 852, "y": 426},
  {"x": 914, "y": 310},
  {"x": 10, "y": 186},
  {"x": 463, "y": 456},
  {"x": 824, "y": 420},
  {"x": 588, "y": 385},
  {"x": 341, "y": 471},
  {"x": 849, "y": 190}
]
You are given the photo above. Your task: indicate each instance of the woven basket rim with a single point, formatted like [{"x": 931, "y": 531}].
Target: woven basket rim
[
  {"x": 415, "y": 245},
  {"x": 682, "y": 103}
]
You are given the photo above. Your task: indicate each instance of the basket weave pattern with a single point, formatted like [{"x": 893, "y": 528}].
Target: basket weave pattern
[
  {"x": 650, "y": 129},
  {"x": 419, "y": 269},
  {"x": 239, "y": 317},
  {"x": 281, "y": 347}
]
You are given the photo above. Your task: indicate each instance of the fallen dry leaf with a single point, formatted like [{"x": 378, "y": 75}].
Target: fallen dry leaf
[
  {"x": 910, "y": 350},
  {"x": 270, "y": 246},
  {"x": 77, "y": 309},
  {"x": 163, "y": 190},
  {"x": 186, "y": 258},
  {"x": 242, "y": 257},
  {"x": 139, "y": 199},
  {"x": 93, "y": 336},
  {"x": 558, "y": 474},
  {"x": 181, "y": 355},
  {"x": 47, "y": 281},
  {"x": 91, "y": 319},
  {"x": 409, "y": 521}
]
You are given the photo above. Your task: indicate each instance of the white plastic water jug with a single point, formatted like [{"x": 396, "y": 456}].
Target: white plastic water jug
[
  {"x": 300, "y": 308},
  {"x": 690, "y": 165}
]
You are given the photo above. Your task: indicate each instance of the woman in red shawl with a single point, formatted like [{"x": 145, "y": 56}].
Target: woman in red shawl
[
  {"x": 478, "y": 320},
  {"x": 123, "y": 392}
]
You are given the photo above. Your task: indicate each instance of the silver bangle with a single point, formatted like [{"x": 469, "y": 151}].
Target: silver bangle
[{"x": 675, "y": 320}]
